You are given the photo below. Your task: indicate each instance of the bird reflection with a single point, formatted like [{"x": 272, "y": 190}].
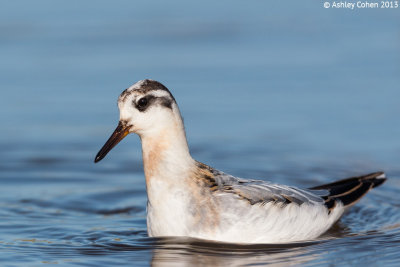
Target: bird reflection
[{"x": 202, "y": 253}]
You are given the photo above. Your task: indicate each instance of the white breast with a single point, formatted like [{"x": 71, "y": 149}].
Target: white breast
[{"x": 166, "y": 208}]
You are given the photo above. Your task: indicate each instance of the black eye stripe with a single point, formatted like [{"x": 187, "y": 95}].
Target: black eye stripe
[
  {"x": 166, "y": 102},
  {"x": 144, "y": 102}
]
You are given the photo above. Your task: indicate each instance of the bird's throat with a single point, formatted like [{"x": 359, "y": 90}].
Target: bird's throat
[{"x": 165, "y": 154}]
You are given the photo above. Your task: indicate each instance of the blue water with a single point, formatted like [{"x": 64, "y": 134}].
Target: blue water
[{"x": 288, "y": 92}]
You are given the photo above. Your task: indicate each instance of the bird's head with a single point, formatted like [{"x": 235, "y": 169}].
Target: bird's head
[{"x": 146, "y": 108}]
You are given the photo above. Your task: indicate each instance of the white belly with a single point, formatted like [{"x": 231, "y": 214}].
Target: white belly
[{"x": 241, "y": 223}]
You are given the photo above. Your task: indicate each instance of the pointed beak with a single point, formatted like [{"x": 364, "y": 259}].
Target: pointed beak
[{"x": 120, "y": 132}]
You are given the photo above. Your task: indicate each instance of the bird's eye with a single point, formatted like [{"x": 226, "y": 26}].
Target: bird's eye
[{"x": 142, "y": 102}]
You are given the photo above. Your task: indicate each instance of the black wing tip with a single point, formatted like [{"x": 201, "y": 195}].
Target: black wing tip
[
  {"x": 351, "y": 190},
  {"x": 375, "y": 178},
  {"x": 381, "y": 175},
  {"x": 380, "y": 178},
  {"x": 378, "y": 175}
]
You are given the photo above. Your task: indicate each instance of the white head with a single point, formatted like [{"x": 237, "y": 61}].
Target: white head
[{"x": 147, "y": 108}]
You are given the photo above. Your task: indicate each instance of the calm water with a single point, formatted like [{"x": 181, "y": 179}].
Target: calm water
[{"x": 291, "y": 93}]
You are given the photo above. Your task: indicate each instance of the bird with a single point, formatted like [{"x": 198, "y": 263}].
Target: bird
[{"x": 187, "y": 198}]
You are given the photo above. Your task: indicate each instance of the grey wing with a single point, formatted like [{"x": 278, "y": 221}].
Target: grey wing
[{"x": 262, "y": 192}]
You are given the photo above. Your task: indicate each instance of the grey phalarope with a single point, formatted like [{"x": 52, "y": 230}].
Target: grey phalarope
[{"x": 188, "y": 198}]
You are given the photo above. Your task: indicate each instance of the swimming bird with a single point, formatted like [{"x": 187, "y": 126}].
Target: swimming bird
[{"x": 191, "y": 199}]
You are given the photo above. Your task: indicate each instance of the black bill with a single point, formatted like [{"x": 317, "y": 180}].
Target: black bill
[{"x": 120, "y": 132}]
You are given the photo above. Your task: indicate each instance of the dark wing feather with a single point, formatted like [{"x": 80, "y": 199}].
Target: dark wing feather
[{"x": 350, "y": 190}]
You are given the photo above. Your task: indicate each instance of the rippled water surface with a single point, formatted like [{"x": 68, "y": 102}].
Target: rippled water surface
[{"x": 295, "y": 94}]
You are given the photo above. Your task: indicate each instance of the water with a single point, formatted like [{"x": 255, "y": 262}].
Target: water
[{"x": 291, "y": 93}]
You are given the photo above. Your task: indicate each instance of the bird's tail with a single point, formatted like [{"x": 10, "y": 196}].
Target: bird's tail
[{"x": 349, "y": 191}]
